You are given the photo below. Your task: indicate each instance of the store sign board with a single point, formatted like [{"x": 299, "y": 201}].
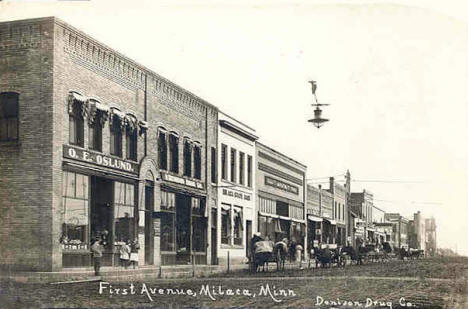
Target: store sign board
[
  {"x": 278, "y": 184},
  {"x": 182, "y": 181},
  {"x": 83, "y": 155},
  {"x": 238, "y": 195}
]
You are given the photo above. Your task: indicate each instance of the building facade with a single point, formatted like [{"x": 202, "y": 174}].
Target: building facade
[
  {"x": 417, "y": 232},
  {"x": 98, "y": 146},
  {"x": 314, "y": 216},
  {"x": 361, "y": 203},
  {"x": 431, "y": 236},
  {"x": 399, "y": 229},
  {"x": 340, "y": 210},
  {"x": 236, "y": 211},
  {"x": 280, "y": 196}
]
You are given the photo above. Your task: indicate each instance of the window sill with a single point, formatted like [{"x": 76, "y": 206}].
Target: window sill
[
  {"x": 234, "y": 184},
  {"x": 225, "y": 246},
  {"x": 10, "y": 143}
]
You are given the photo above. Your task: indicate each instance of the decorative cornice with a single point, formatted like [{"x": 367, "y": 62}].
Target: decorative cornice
[
  {"x": 279, "y": 162},
  {"x": 278, "y": 173}
]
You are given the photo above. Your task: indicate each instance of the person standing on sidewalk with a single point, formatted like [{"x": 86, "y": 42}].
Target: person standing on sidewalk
[
  {"x": 125, "y": 254},
  {"x": 96, "y": 250},
  {"x": 135, "y": 246}
]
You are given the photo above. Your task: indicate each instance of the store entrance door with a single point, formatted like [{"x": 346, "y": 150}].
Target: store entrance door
[
  {"x": 183, "y": 228},
  {"x": 149, "y": 206},
  {"x": 214, "y": 242},
  {"x": 102, "y": 199}
]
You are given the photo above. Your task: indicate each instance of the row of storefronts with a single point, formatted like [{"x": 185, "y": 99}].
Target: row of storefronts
[{"x": 127, "y": 157}]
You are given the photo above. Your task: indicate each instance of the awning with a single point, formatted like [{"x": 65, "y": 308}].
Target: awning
[
  {"x": 265, "y": 214},
  {"x": 298, "y": 220},
  {"x": 332, "y": 222},
  {"x": 369, "y": 229},
  {"x": 237, "y": 209},
  {"x": 285, "y": 218},
  {"x": 314, "y": 218},
  {"x": 225, "y": 207}
]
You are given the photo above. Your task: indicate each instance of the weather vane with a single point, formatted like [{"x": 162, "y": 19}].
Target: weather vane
[{"x": 317, "y": 121}]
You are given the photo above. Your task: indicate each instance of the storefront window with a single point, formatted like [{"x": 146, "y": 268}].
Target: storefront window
[
  {"x": 225, "y": 223},
  {"x": 238, "y": 226},
  {"x": 167, "y": 221},
  {"x": 262, "y": 225},
  {"x": 124, "y": 214},
  {"x": 167, "y": 231},
  {"x": 198, "y": 225},
  {"x": 75, "y": 232}
]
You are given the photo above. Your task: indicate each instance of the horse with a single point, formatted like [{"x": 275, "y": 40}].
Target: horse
[
  {"x": 351, "y": 252},
  {"x": 263, "y": 252},
  {"x": 280, "y": 252},
  {"x": 322, "y": 257}
]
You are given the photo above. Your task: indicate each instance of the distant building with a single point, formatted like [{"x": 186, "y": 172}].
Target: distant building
[
  {"x": 361, "y": 203},
  {"x": 417, "y": 232},
  {"x": 314, "y": 216},
  {"x": 340, "y": 210},
  {"x": 382, "y": 228},
  {"x": 431, "y": 236},
  {"x": 399, "y": 229}
]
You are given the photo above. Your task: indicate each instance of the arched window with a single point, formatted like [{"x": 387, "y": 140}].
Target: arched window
[
  {"x": 197, "y": 161},
  {"x": 187, "y": 158},
  {"x": 9, "y": 116},
  {"x": 76, "y": 111},
  {"x": 174, "y": 152},
  {"x": 162, "y": 148}
]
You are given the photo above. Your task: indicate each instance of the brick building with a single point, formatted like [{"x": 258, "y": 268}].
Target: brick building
[
  {"x": 281, "y": 196},
  {"x": 93, "y": 144},
  {"x": 361, "y": 203}
]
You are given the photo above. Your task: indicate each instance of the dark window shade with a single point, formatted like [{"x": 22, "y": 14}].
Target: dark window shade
[
  {"x": 131, "y": 142},
  {"x": 187, "y": 159},
  {"x": 213, "y": 165},
  {"x": 197, "y": 162},
  {"x": 162, "y": 150}
]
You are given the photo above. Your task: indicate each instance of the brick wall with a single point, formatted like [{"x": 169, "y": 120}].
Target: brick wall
[
  {"x": 25, "y": 167},
  {"x": 43, "y": 60}
]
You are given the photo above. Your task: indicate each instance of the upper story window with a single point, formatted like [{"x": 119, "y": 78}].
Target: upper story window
[
  {"x": 95, "y": 137},
  {"x": 76, "y": 113},
  {"x": 116, "y": 137},
  {"x": 249, "y": 171},
  {"x": 131, "y": 137},
  {"x": 233, "y": 164},
  {"x": 9, "y": 116},
  {"x": 162, "y": 149},
  {"x": 223, "y": 162},
  {"x": 131, "y": 143},
  {"x": 187, "y": 158},
  {"x": 173, "y": 152},
  {"x": 241, "y": 167},
  {"x": 213, "y": 165},
  {"x": 197, "y": 161}
]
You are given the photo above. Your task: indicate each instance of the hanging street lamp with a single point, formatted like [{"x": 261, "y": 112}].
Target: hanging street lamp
[{"x": 317, "y": 121}]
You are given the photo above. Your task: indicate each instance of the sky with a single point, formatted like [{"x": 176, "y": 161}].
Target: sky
[{"x": 394, "y": 72}]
